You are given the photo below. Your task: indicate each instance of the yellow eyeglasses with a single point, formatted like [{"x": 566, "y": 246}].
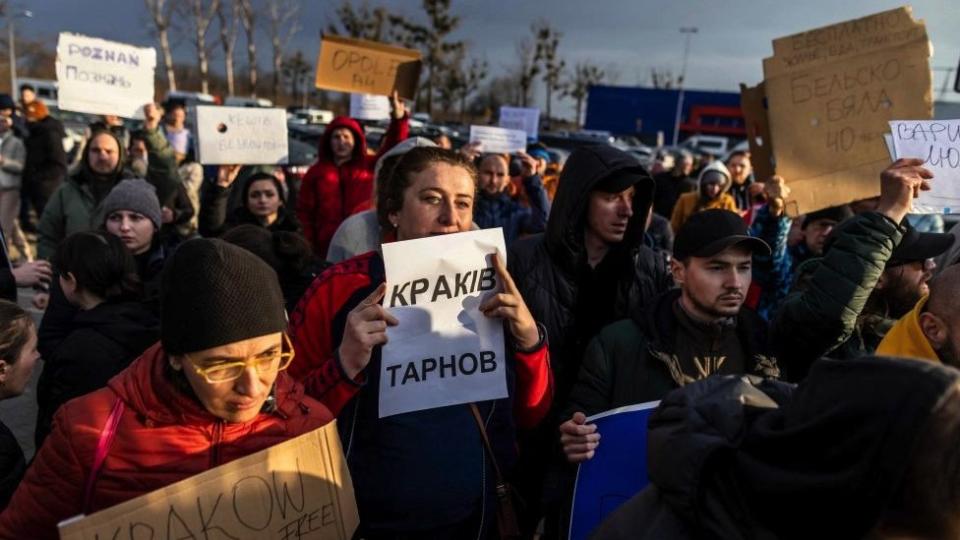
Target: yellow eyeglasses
[{"x": 267, "y": 362}]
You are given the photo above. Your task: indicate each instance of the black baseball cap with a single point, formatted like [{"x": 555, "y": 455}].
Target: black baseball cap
[
  {"x": 709, "y": 232},
  {"x": 620, "y": 180},
  {"x": 919, "y": 246}
]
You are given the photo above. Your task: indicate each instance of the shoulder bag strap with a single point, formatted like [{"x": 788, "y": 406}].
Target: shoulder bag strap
[
  {"x": 103, "y": 448},
  {"x": 486, "y": 441}
]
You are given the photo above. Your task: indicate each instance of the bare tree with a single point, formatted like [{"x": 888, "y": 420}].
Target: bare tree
[
  {"x": 296, "y": 71},
  {"x": 548, "y": 40},
  {"x": 282, "y": 25},
  {"x": 663, "y": 78},
  {"x": 363, "y": 22},
  {"x": 201, "y": 13},
  {"x": 527, "y": 70},
  {"x": 578, "y": 86},
  {"x": 248, "y": 19},
  {"x": 227, "y": 19},
  {"x": 438, "y": 51},
  {"x": 160, "y": 12}
]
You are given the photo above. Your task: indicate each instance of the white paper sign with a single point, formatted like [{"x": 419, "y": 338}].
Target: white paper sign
[
  {"x": 444, "y": 351},
  {"x": 241, "y": 135},
  {"x": 937, "y": 143},
  {"x": 97, "y": 76},
  {"x": 369, "y": 107},
  {"x": 498, "y": 140},
  {"x": 526, "y": 120}
]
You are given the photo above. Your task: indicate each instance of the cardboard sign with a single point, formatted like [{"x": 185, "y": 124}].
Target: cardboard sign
[
  {"x": 937, "y": 143},
  {"x": 498, "y": 140},
  {"x": 369, "y": 107},
  {"x": 241, "y": 136},
  {"x": 830, "y": 93},
  {"x": 526, "y": 120},
  {"x": 444, "y": 351},
  {"x": 97, "y": 76},
  {"x": 618, "y": 470},
  {"x": 367, "y": 67},
  {"x": 297, "y": 489}
]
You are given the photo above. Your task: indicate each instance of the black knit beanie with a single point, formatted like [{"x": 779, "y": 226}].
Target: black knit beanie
[{"x": 214, "y": 293}]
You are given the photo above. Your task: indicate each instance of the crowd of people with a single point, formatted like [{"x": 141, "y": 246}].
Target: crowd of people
[{"x": 193, "y": 314}]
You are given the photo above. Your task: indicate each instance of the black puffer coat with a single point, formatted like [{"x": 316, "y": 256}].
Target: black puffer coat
[
  {"x": 739, "y": 458},
  {"x": 88, "y": 350},
  {"x": 545, "y": 266}
]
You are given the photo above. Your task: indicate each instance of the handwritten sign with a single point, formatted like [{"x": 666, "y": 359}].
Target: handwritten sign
[
  {"x": 444, "y": 351},
  {"x": 369, "y": 107},
  {"x": 830, "y": 93},
  {"x": 367, "y": 67},
  {"x": 618, "y": 470},
  {"x": 97, "y": 76},
  {"x": 937, "y": 143},
  {"x": 241, "y": 136},
  {"x": 299, "y": 489},
  {"x": 526, "y": 120},
  {"x": 498, "y": 140}
]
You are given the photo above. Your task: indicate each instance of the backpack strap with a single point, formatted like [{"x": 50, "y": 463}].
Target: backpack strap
[{"x": 103, "y": 448}]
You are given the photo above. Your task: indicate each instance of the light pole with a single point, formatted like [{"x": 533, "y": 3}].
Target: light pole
[
  {"x": 688, "y": 31},
  {"x": 11, "y": 15}
]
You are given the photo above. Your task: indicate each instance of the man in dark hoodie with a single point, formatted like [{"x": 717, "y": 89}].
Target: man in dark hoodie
[
  {"x": 588, "y": 269},
  {"x": 864, "y": 448},
  {"x": 340, "y": 183},
  {"x": 46, "y": 163}
]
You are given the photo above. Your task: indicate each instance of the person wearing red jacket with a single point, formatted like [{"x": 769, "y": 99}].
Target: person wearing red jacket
[
  {"x": 213, "y": 390},
  {"x": 421, "y": 474},
  {"x": 340, "y": 183}
]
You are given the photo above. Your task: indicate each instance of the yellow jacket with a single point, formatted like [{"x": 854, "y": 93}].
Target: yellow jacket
[
  {"x": 687, "y": 206},
  {"x": 906, "y": 339}
]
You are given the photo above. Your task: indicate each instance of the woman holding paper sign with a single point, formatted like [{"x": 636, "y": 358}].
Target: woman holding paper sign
[
  {"x": 423, "y": 474},
  {"x": 340, "y": 183},
  {"x": 211, "y": 391}
]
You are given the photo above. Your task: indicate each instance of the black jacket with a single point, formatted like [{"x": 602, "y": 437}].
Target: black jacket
[
  {"x": 739, "y": 458},
  {"x": 216, "y": 218},
  {"x": 12, "y": 465},
  {"x": 46, "y": 163},
  {"x": 546, "y": 266},
  {"x": 88, "y": 350},
  {"x": 8, "y": 284}
]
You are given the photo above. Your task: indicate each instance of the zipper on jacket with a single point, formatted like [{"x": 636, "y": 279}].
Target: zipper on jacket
[{"x": 215, "y": 447}]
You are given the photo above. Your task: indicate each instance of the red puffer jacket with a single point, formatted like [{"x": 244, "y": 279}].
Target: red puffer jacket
[
  {"x": 330, "y": 194},
  {"x": 163, "y": 436}
]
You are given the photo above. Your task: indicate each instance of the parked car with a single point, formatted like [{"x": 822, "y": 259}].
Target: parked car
[
  {"x": 241, "y": 101},
  {"x": 709, "y": 144}
]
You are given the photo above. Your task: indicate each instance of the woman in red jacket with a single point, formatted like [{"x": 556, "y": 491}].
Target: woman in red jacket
[
  {"x": 340, "y": 183},
  {"x": 422, "y": 474},
  {"x": 213, "y": 390}
]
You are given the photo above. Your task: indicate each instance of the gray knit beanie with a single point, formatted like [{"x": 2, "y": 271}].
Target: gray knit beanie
[{"x": 136, "y": 195}]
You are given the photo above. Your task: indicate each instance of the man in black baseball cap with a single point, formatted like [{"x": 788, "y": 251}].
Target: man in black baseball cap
[{"x": 687, "y": 334}]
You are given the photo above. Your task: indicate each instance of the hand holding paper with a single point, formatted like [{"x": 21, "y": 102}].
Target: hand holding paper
[
  {"x": 900, "y": 183},
  {"x": 397, "y": 108},
  {"x": 366, "y": 328},
  {"x": 509, "y": 305},
  {"x": 151, "y": 116},
  {"x": 227, "y": 174}
]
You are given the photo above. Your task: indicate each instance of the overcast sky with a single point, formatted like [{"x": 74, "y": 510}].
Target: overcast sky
[{"x": 631, "y": 36}]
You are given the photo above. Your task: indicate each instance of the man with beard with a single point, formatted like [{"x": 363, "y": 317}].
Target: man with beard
[{"x": 931, "y": 330}]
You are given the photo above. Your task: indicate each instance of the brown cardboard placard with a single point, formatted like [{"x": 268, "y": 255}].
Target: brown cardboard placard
[
  {"x": 299, "y": 489},
  {"x": 830, "y": 93},
  {"x": 367, "y": 67},
  {"x": 754, "y": 106}
]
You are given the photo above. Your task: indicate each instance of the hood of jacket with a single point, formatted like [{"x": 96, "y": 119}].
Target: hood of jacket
[
  {"x": 741, "y": 457},
  {"x": 146, "y": 388},
  {"x": 906, "y": 340},
  {"x": 127, "y": 322},
  {"x": 718, "y": 166},
  {"x": 585, "y": 168},
  {"x": 86, "y": 173},
  {"x": 324, "y": 153}
]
